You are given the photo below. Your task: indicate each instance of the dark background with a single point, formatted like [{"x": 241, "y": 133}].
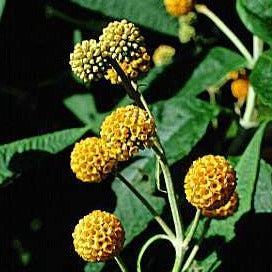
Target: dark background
[{"x": 40, "y": 208}]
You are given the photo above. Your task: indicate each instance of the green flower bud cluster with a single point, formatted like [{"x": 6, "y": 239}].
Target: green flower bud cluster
[{"x": 186, "y": 29}]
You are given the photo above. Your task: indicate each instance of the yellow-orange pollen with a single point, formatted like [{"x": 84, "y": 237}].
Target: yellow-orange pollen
[
  {"x": 239, "y": 88},
  {"x": 126, "y": 130},
  {"x": 98, "y": 236},
  {"x": 210, "y": 182}
]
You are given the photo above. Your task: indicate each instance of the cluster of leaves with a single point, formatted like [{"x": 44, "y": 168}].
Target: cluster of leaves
[{"x": 182, "y": 120}]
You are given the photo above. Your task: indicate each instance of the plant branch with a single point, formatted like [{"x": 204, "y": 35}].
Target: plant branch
[
  {"x": 196, "y": 247},
  {"x": 121, "y": 264},
  {"x": 248, "y": 119},
  {"x": 157, "y": 217},
  {"x": 147, "y": 244},
  {"x": 203, "y": 9},
  {"x": 192, "y": 230}
]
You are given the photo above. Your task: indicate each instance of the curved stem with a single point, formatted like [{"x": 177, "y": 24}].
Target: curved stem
[
  {"x": 147, "y": 244},
  {"x": 157, "y": 217},
  {"x": 224, "y": 28},
  {"x": 248, "y": 120},
  {"x": 192, "y": 230},
  {"x": 121, "y": 264}
]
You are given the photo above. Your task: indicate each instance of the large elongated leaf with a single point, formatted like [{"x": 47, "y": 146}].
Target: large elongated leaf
[
  {"x": 51, "y": 143},
  {"x": 263, "y": 194},
  {"x": 146, "y": 13},
  {"x": 257, "y": 17},
  {"x": 261, "y": 77},
  {"x": 212, "y": 70}
]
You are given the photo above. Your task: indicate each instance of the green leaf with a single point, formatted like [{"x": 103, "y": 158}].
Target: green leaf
[
  {"x": 210, "y": 263},
  {"x": 181, "y": 124},
  {"x": 247, "y": 170},
  {"x": 147, "y": 13},
  {"x": 2, "y": 6},
  {"x": 51, "y": 143},
  {"x": 212, "y": 70},
  {"x": 257, "y": 17},
  {"x": 261, "y": 77},
  {"x": 83, "y": 107},
  {"x": 94, "y": 267},
  {"x": 263, "y": 194}
]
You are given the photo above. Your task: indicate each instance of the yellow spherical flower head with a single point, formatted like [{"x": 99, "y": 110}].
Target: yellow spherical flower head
[
  {"x": 98, "y": 236},
  {"x": 210, "y": 182},
  {"x": 227, "y": 210},
  {"x": 126, "y": 130},
  {"x": 122, "y": 41},
  {"x": 163, "y": 55},
  {"x": 178, "y": 7},
  {"x": 91, "y": 160},
  {"x": 239, "y": 88},
  {"x": 87, "y": 61}
]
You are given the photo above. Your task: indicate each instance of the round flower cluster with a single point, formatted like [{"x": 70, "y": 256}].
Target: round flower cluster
[
  {"x": 210, "y": 182},
  {"x": 126, "y": 130},
  {"x": 178, "y": 7},
  {"x": 121, "y": 41},
  {"x": 91, "y": 160},
  {"x": 163, "y": 55},
  {"x": 98, "y": 236},
  {"x": 87, "y": 61},
  {"x": 227, "y": 210}
]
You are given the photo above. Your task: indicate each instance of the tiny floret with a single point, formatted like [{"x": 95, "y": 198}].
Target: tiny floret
[
  {"x": 126, "y": 130},
  {"x": 227, "y": 210},
  {"x": 239, "y": 88},
  {"x": 210, "y": 182},
  {"x": 163, "y": 55},
  {"x": 91, "y": 160},
  {"x": 87, "y": 61},
  {"x": 98, "y": 236},
  {"x": 178, "y": 7}
]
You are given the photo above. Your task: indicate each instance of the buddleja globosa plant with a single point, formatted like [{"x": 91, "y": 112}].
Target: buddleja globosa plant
[{"x": 139, "y": 139}]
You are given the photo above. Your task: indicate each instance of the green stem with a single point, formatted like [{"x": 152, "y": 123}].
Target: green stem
[
  {"x": 196, "y": 247},
  {"x": 121, "y": 264},
  {"x": 178, "y": 259},
  {"x": 172, "y": 200},
  {"x": 225, "y": 29},
  {"x": 192, "y": 230},
  {"x": 134, "y": 93},
  {"x": 131, "y": 91},
  {"x": 157, "y": 217},
  {"x": 147, "y": 244},
  {"x": 247, "y": 121},
  {"x": 88, "y": 24}
]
